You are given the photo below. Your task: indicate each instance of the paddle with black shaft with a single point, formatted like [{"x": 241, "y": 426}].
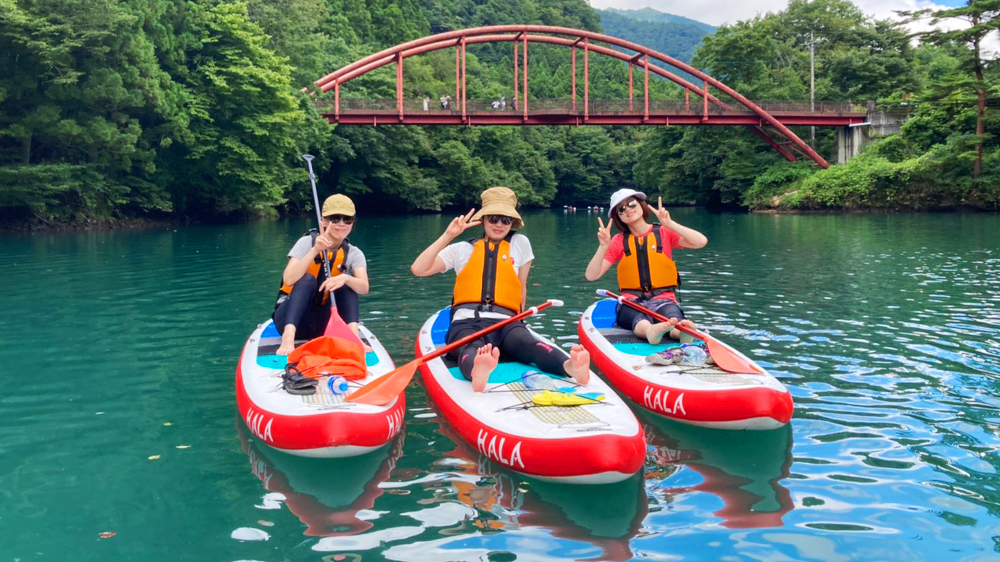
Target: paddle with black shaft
[
  {"x": 387, "y": 387},
  {"x": 319, "y": 215},
  {"x": 725, "y": 358},
  {"x": 335, "y": 325}
]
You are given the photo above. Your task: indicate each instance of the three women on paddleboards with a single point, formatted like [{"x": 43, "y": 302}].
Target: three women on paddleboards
[
  {"x": 491, "y": 285},
  {"x": 304, "y": 301},
  {"x": 646, "y": 269}
]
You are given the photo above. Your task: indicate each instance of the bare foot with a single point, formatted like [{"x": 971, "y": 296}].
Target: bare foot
[
  {"x": 578, "y": 364},
  {"x": 287, "y": 341},
  {"x": 655, "y": 333},
  {"x": 676, "y": 334},
  {"x": 485, "y": 361}
]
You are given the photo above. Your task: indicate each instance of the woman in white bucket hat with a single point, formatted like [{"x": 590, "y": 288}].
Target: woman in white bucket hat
[{"x": 646, "y": 269}]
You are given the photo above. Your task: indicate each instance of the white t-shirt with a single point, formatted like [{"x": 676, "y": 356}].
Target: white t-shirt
[
  {"x": 457, "y": 255},
  {"x": 355, "y": 257}
]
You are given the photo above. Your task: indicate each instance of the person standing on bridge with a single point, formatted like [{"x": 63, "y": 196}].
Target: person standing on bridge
[
  {"x": 491, "y": 285},
  {"x": 646, "y": 269}
]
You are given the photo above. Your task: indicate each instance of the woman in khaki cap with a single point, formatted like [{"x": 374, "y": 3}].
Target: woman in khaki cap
[
  {"x": 491, "y": 285},
  {"x": 303, "y": 305}
]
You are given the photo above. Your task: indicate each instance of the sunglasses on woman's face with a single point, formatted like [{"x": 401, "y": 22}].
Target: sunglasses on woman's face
[
  {"x": 494, "y": 219},
  {"x": 625, "y": 207},
  {"x": 335, "y": 219}
]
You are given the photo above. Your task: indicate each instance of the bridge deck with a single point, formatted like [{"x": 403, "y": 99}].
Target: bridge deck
[{"x": 562, "y": 112}]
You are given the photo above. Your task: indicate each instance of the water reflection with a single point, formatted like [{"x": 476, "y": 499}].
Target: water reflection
[
  {"x": 743, "y": 468},
  {"x": 329, "y": 496},
  {"x": 606, "y": 516}
]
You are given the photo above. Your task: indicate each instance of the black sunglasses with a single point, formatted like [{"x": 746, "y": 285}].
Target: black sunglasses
[
  {"x": 335, "y": 219},
  {"x": 494, "y": 219},
  {"x": 625, "y": 207}
]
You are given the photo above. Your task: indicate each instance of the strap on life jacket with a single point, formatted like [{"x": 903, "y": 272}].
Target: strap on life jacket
[
  {"x": 338, "y": 262},
  {"x": 648, "y": 282},
  {"x": 495, "y": 287}
]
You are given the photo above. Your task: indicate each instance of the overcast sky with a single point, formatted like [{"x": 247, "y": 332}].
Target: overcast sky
[{"x": 717, "y": 12}]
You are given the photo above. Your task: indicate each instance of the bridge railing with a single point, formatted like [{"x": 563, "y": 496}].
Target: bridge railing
[{"x": 598, "y": 107}]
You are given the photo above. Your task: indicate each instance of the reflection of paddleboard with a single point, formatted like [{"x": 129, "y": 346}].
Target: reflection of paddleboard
[
  {"x": 743, "y": 469},
  {"x": 325, "y": 494},
  {"x": 606, "y": 516},
  {"x": 701, "y": 395},
  {"x": 592, "y": 443},
  {"x": 316, "y": 425}
]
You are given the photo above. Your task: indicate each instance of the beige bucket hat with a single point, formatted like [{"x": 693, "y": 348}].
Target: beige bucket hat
[
  {"x": 500, "y": 201},
  {"x": 338, "y": 205}
]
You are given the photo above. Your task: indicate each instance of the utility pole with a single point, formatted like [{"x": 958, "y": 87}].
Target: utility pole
[{"x": 812, "y": 85}]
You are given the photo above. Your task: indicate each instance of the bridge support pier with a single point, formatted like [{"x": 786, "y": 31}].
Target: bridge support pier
[{"x": 849, "y": 142}]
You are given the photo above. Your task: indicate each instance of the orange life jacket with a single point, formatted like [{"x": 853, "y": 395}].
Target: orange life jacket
[
  {"x": 327, "y": 355},
  {"x": 489, "y": 280},
  {"x": 645, "y": 269},
  {"x": 338, "y": 263}
]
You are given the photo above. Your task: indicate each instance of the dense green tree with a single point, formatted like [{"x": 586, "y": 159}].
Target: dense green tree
[
  {"x": 983, "y": 19},
  {"x": 242, "y": 118}
]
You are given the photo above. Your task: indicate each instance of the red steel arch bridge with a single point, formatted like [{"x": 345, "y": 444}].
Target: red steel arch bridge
[{"x": 768, "y": 120}]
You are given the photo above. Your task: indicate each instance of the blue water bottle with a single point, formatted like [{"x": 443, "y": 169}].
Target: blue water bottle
[
  {"x": 337, "y": 384},
  {"x": 694, "y": 354}
]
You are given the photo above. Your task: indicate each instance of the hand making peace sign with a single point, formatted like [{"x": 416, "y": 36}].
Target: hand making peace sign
[
  {"x": 662, "y": 214},
  {"x": 462, "y": 223},
  {"x": 604, "y": 233},
  {"x": 325, "y": 239}
]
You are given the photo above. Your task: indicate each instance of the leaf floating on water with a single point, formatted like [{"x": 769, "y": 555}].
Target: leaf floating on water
[
  {"x": 154, "y": 457},
  {"x": 250, "y": 534},
  {"x": 184, "y": 446},
  {"x": 107, "y": 535}
]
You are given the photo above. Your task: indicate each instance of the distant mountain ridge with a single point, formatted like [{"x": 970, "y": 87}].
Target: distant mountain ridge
[
  {"x": 649, "y": 14},
  {"x": 672, "y": 35}
]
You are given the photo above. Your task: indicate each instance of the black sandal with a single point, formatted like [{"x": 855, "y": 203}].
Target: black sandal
[{"x": 294, "y": 382}]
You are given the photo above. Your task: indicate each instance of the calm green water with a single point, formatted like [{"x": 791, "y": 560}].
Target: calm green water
[{"x": 121, "y": 346}]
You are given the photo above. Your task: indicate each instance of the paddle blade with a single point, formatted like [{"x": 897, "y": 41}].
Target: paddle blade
[
  {"x": 336, "y": 327},
  {"x": 386, "y": 388},
  {"x": 729, "y": 361},
  {"x": 725, "y": 358}
]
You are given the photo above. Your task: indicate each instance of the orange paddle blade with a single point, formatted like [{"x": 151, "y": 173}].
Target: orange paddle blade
[
  {"x": 386, "y": 388},
  {"x": 383, "y": 389},
  {"x": 338, "y": 328},
  {"x": 725, "y": 358}
]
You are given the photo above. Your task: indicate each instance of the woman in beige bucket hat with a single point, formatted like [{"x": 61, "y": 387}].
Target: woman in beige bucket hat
[
  {"x": 491, "y": 285},
  {"x": 303, "y": 305}
]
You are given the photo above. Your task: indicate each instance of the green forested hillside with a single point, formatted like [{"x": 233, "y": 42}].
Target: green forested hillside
[
  {"x": 669, "y": 34},
  {"x": 191, "y": 109}
]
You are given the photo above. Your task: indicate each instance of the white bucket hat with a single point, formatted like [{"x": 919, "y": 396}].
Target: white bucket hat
[{"x": 621, "y": 195}]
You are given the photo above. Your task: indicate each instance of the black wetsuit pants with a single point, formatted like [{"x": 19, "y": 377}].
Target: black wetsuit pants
[
  {"x": 305, "y": 310},
  {"x": 514, "y": 340}
]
